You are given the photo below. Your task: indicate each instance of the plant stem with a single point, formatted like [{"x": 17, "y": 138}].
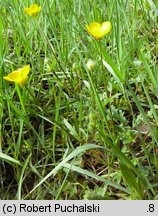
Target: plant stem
[{"x": 20, "y": 98}]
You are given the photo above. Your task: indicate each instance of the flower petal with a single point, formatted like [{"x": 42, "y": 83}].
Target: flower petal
[
  {"x": 106, "y": 27},
  {"x": 19, "y": 76},
  {"x": 33, "y": 10}
]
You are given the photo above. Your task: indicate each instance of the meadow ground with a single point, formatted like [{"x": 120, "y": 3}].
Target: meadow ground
[{"x": 76, "y": 130}]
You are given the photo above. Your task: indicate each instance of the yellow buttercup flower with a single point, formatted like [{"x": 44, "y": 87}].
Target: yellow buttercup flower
[
  {"x": 99, "y": 30},
  {"x": 90, "y": 64},
  {"x": 33, "y": 10},
  {"x": 19, "y": 76}
]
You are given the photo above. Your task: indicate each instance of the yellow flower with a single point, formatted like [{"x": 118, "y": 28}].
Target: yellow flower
[
  {"x": 33, "y": 10},
  {"x": 99, "y": 30},
  {"x": 19, "y": 76}
]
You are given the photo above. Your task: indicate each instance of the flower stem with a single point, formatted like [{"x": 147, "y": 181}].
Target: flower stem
[
  {"x": 102, "y": 66},
  {"x": 20, "y": 97}
]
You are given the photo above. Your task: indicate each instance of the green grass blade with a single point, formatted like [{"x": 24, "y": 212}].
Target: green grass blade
[
  {"x": 96, "y": 177},
  {"x": 75, "y": 153},
  {"x": 9, "y": 159}
]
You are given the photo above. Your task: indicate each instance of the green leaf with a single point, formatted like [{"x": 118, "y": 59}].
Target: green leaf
[
  {"x": 19, "y": 192},
  {"x": 9, "y": 159},
  {"x": 96, "y": 177},
  {"x": 128, "y": 175},
  {"x": 72, "y": 155},
  {"x": 111, "y": 67},
  {"x": 144, "y": 115},
  {"x": 130, "y": 178},
  {"x": 71, "y": 129}
]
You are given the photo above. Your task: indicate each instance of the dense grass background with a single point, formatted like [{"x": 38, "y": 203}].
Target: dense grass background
[{"x": 74, "y": 133}]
